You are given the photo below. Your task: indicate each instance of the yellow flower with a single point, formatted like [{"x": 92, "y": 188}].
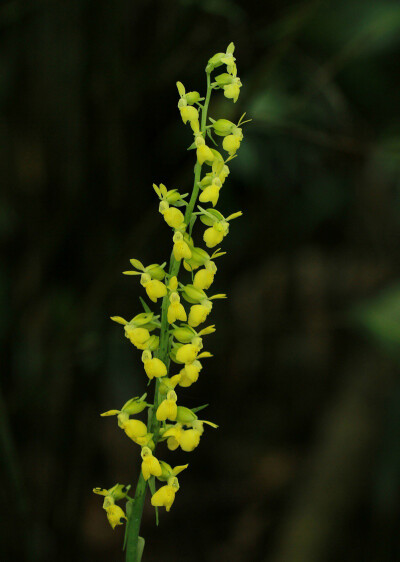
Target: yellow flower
[
  {"x": 215, "y": 234},
  {"x": 168, "y": 384},
  {"x": 231, "y": 143},
  {"x": 168, "y": 408},
  {"x": 190, "y": 374},
  {"x": 172, "y": 216},
  {"x": 115, "y": 515},
  {"x": 204, "y": 153},
  {"x": 177, "y": 436},
  {"x": 190, "y": 440},
  {"x": 198, "y": 313},
  {"x": 153, "y": 366},
  {"x": 134, "y": 429},
  {"x": 232, "y": 91},
  {"x": 189, "y": 113},
  {"x": 150, "y": 465},
  {"x": 165, "y": 496},
  {"x": 176, "y": 310},
  {"x": 155, "y": 289},
  {"x": 137, "y": 336},
  {"x": 211, "y": 192},
  {"x": 205, "y": 277},
  {"x": 187, "y": 353},
  {"x": 173, "y": 436},
  {"x": 181, "y": 249}
]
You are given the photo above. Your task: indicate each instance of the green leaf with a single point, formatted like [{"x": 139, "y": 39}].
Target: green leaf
[
  {"x": 144, "y": 304},
  {"x": 199, "y": 408},
  {"x": 211, "y": 137},
  {"x": 128, "y": 509},
  {"x": 141, "y": 543},
  {"x": 152, "y": 487}
]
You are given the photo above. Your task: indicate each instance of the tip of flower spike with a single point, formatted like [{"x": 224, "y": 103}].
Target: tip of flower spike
[{"x": 231, "y": 48}]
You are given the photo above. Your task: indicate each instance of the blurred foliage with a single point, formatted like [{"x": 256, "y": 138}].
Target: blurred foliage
[{"x": 305, "y": 466}]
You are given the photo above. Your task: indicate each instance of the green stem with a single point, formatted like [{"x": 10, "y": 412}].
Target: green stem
[
  {"x": 132, "y": 543},
  {"x": 197, "y": 168},
  {"x": 133, "y": 524}
]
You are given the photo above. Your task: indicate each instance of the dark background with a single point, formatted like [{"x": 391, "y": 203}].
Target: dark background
[{"x": 305, "y": 466}]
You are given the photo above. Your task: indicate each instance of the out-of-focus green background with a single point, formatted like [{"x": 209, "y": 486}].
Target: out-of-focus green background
[{"x": 305, "y": 381}]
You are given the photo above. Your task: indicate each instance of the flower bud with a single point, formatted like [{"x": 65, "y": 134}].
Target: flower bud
[
  {"x": 214, "y": 62},
  {"x": 185, "y": 415},
  {"x": 134, "y": 405},
  {"x": 163, "y": 206},
  {"x": 184, "y": 334},
  {"x": 166, "y": 471},
  {"x": 173, "y": 196},
  {"x": 192, "y": 294},
  {"x": 192, "y": 97},
  {"x": 199, "y": 257},
  {"x": 156, "y": 271},
  {"x": 224, "y": 79},
  {"x": 142, "y": 318},
  {"x": 152, "y": 343},
  {"x": 223, "y": 127}
]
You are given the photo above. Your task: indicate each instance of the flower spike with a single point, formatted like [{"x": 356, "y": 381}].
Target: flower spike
[{"x": 171, "y": 342}]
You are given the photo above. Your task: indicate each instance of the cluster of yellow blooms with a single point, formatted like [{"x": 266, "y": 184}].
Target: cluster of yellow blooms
[{"x": 175, "y": 336}]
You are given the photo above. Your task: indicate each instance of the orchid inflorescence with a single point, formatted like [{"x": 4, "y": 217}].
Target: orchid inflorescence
[{"x": 176, "y": 336}]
